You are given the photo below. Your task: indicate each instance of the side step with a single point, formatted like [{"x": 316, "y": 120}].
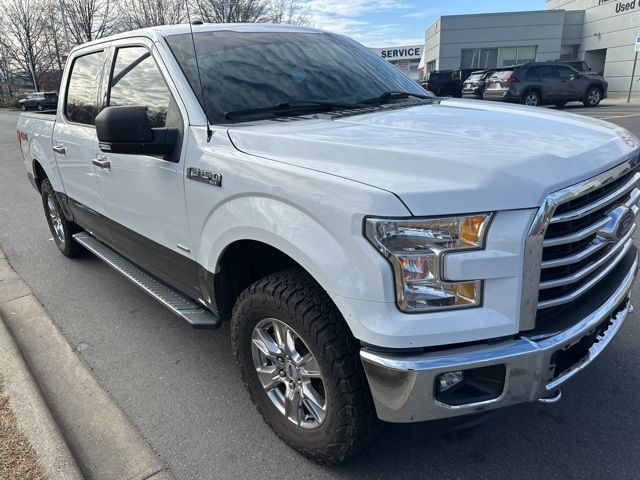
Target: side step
[{"x": 197, "y": 316}]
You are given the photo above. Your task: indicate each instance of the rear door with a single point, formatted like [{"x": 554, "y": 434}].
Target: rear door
[
  {"x": 144, "y": 194},
  {"x": 545, "y": 79},
  {"x": 74, "y": 136}
]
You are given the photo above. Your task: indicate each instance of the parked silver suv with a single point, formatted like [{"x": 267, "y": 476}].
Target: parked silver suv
[{"x": 546, "y": 83}]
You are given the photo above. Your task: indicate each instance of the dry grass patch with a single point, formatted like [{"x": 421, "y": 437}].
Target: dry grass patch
[{"x": 18, "y": 460}]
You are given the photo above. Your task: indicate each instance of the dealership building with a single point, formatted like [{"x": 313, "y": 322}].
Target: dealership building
[{"x": 601, "y": 32}]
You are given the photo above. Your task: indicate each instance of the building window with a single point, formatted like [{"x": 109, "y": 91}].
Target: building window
[
  {"x": 479, "y": 58},
  {"x": 496, "y": 57}
]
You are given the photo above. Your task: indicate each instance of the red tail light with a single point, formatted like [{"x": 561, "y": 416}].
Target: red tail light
[
  {"x": 19, "y": 138},
  {"x": 512, "y": 79}
]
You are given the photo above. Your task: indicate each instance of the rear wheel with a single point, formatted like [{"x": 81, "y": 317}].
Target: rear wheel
[
  {"x": 531, "y": 98},
  {"x": 592, "y": 97},
  {"x": 61, "y": 228},
  {"x": 302, "y": 368}
]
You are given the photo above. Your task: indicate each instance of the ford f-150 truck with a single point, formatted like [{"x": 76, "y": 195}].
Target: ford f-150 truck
[{"x": 380, "y": 253}]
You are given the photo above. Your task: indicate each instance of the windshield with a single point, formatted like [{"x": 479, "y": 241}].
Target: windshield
[{"x": 248, "y": 70}]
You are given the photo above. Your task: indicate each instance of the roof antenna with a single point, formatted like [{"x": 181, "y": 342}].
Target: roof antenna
[{"x": 195, "y": 53}]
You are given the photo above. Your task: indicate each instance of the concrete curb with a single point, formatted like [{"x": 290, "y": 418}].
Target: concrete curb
[
  {"x": 104, "y": 442},
  {"x": 33, "y": 416}
]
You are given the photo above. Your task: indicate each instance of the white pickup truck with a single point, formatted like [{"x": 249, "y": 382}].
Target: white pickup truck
[{"x": 380, "y": 253}]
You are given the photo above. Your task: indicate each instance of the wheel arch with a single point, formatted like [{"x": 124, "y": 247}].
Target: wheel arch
[{"x": 265, "y": 235}]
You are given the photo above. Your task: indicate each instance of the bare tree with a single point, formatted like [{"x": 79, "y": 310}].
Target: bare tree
[
  {"x": 253, "y": 11},
  {"x": 23, "y": 39},
  {"x": 90, "y": 19},
  {"x": 149, "y": 13},
  {"x": 289, "y": 11}
]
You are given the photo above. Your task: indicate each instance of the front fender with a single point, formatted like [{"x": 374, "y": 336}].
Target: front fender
[{"x": 344, "y": 265}]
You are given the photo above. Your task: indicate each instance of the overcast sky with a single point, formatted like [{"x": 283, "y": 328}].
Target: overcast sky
[{"x": 381, "y": 23}]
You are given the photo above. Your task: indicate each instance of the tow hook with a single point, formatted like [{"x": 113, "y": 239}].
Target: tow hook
[{"x": 553, "y": 397}]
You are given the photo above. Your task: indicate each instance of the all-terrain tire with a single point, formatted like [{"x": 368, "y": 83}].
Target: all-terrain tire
[
  {"x": 292, "y": 297},
  {"x": 61, "y": 228}
]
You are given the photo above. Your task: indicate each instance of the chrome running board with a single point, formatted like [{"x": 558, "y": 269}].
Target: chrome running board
[{"x": 197, "y": 316}]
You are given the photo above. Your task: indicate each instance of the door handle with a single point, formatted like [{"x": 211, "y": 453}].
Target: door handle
[
  {"x": 59, "y": 149},
  {"x": 102, "y": 162}
]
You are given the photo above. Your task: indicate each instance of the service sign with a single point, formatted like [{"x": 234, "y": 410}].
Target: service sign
[{"x": 408, "y": 52}]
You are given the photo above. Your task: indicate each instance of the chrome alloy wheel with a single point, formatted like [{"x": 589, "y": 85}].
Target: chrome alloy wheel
[
  {"x": 593, "y": 97},
  {"x": 289, "y": 373},
  {"x": 56, "y": 219},
  {"x": 531, "y": 99}
]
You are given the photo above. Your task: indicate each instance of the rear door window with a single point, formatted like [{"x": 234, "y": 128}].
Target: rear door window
[{"x": 82, "y": 91}]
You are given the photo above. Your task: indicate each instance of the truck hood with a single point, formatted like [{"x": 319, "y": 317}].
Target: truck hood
[{"x": 458, "y": 156}]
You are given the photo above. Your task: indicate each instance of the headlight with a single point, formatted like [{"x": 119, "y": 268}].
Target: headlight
[{"x": 414, "y": 247}]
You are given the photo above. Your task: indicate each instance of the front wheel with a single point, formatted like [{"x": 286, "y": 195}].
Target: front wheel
[
  {"x": 61, "y": 228},
  {"x": 302, "y": 368},
  {"x": 23, "y": 107},
  {"x": 592, "y": 97},
  {"x": 531, "y": 99}
]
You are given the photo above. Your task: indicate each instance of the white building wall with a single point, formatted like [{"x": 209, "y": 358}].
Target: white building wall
[
  {"x": 542, "y": 29},
  {"x": 605, "y": 27}
]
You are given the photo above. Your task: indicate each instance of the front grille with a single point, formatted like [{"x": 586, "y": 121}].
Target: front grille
[{"x": 576, "y": 257}]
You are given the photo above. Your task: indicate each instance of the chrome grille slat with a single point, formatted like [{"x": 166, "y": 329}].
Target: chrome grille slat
[
  {"x": 577, "y": 251},
  {"x": 589, "y": 269},
  {"x": 577, "y": 257},
  {"x": 581, "y": 212},
  {"x": 574, "y": 237},
  {"x": 588, "y": 285}
]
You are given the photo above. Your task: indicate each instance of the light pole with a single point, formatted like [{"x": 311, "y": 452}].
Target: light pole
[
  {"x": 64, "y": 26},
  {"x": 225, "y": 10}
]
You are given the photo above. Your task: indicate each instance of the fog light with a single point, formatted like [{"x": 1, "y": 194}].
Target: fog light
[{"x": 449, "y": 380}]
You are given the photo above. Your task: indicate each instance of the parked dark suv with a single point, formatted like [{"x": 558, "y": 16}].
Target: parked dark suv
[
  {"x": 474, "y": 85},
  {"x": 546, "y": 83},
  {"x": 40, "y": 101},
  {"x": 445, "y": 83}
]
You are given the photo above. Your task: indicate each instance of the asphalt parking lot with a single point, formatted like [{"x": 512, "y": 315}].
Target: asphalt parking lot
[{"x": 182, "y": 390}]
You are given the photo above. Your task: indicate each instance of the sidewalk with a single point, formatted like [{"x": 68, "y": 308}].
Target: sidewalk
[
  {"x": 58, "y": 403},
  {"x": 26, "y": 408}
]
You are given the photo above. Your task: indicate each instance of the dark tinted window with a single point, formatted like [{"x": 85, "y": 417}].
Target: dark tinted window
[
  {"x": 541, "y": 71},
  {"x": 565, "y": 72},
  {"x": 242, "y": 70},
  {"x": 50, "y": 95},
  {"x": 136, "y": 80},
  {"x": 83, "y": 88}
]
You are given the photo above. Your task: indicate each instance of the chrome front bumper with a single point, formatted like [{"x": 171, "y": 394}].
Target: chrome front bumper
[{"x": 403, "y": 387}]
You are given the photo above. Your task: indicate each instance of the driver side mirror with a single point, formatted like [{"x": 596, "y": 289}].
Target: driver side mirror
[
  {"x": 575, "y": 76},
  {"x": 127, "y": 130}
]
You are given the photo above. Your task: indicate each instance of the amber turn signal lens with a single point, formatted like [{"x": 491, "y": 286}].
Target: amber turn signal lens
[{"x": 470, "y": 230}]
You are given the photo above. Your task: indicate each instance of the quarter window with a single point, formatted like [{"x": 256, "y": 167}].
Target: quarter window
[
  {"x": 137, "y": 80},
  {"x": 80, "y": 106}
]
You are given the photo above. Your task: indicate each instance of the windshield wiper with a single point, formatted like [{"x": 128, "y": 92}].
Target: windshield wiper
[
  {"x": 285, "y": 108},
  {"x": 394, "y": 95}
]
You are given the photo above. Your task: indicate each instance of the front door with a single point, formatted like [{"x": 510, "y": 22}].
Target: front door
[
  {"x": 572, "y": 85},
  {"x": 143, "y": 194}
]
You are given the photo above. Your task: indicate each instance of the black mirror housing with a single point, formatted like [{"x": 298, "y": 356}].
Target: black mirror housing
[{"x": 127, "y": 129}]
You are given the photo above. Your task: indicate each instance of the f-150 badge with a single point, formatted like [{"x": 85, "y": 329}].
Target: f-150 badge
[{"x": 204, "y": 176}]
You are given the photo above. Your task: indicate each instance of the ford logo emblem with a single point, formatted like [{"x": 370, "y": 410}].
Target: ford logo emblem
[{"x": 621, "y": 220}]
